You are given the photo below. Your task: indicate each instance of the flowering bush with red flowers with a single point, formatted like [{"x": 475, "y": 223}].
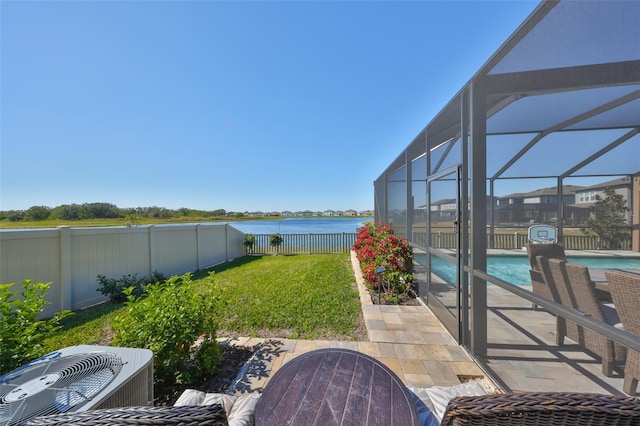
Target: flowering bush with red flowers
[{"x": 377, "y": 246}]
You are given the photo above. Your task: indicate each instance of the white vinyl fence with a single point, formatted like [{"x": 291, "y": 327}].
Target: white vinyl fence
[{"x": 72, "y": 258}]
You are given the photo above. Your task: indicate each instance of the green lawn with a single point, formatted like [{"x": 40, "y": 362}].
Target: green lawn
[{"x": 297, "y": 296}]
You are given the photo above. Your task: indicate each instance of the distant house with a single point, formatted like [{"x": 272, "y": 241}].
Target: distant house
[
  {"x": 586, "y": 196},
  {"x": 350, "y": 212},
  {"x": 256, "y": 214},
  {"x": 443, "y": 210},
  {"x": 328, "y": 213},
  {"x": 539, "y": 206},
  {"x": 287, "y": 213}
]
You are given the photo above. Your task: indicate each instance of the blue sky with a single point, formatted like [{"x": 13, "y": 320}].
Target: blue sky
[{"x": 235, "y": 105}]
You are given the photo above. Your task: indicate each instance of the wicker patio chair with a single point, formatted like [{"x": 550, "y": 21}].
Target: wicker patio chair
[
  {"x": 548, "y": 409},
  {"x": 577, "y": 291},
  {"x": 564, "y": 328},
  {"x": 538, "y": 284},
  {"x": 625, "y": 289},
  {"x": 189, "y": 415},
  {"x": 553, "y": 251}
]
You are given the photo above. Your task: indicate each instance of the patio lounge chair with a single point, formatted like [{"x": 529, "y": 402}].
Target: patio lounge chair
[
  {"x": 551, "y": 409},
  {"x": 577, "y": 291},
  {"x": 625, "y": 290},
  {"x": 539, "y": 286}
]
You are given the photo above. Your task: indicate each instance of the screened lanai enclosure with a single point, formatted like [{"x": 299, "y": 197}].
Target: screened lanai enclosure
[{"x": 557, "y": 107}]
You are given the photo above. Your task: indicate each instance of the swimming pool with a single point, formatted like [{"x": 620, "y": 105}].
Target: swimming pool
[{"x": 515, "y": 269}]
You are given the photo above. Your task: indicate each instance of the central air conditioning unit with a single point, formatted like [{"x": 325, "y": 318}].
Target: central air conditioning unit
[{"x": 77, "y": 378}]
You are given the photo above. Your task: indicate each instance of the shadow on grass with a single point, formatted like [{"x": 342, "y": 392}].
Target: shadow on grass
[
  {"x": 224, "y": 266},
  {"x": 235, "y": 263},
  {"x": 89, "y": 314}
]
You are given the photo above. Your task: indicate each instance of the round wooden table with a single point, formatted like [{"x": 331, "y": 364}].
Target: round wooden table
[{"x": 335, "y": 387}]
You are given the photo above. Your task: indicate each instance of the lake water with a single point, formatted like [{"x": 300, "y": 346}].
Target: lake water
[{"x": 302, "y": 225}]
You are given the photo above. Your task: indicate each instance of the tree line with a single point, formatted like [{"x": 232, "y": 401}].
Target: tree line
[{"x": 104, "y": 211}]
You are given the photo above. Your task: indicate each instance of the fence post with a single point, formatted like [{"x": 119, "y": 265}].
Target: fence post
[
  {"x": 515, "y": 240},
  {"x": 65, "y": 267},
  {"x": 152, "y": 249},
  {"x": 226, "y": 242},
  {"x": 198, "y": 246}
]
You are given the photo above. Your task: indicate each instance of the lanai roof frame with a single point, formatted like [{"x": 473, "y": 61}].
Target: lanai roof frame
[{"x": 598, "y": 93}]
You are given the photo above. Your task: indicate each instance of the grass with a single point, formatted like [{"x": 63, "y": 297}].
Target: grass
[
  {"x": 297, "y": 296},
  {"x": 88, "y": 326}
]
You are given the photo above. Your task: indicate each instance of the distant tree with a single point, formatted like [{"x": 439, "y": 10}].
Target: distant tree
[
  {"x": 66, "y": 212},
  {"x": 219, "y": 212},
  {"x": 15, "y": 215},
  {"x": 37, "y": 213},
  {"x": 153, "y": 212},
  {"x": 608, "y": 219},
  {"x": 100, "y": 211}
]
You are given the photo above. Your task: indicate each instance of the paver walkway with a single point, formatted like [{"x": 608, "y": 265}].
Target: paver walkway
[{"x": 410, "y": 340}]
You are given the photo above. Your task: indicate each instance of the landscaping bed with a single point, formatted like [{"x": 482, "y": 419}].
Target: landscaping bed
[{"x": 231, "y": 363}]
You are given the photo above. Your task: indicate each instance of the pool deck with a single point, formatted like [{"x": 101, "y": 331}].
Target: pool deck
[{"x": 522, "y": 353}]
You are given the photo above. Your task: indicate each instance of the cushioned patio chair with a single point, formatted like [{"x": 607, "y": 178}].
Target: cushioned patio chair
[
  {"x": 577, "y": 291},
  {"x": 550, "y": 409},
  {"x": 625, "y": 290},
  {"x": 538, "y": 284}
]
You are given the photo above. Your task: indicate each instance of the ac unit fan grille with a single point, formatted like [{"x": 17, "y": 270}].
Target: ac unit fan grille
[{"x": 55, "y": 384}]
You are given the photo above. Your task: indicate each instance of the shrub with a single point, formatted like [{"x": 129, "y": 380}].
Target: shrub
[
  {"x": 114, "y": 287},
  {"x": 178, "y": 324},
  {"x": 22, "y": 335},
  {"x": 276, "y": 240},
  {"x": 378, "y": 246},
  {"x": 249, "y": 242}
]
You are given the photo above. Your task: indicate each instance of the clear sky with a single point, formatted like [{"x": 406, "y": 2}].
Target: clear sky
[{"x": 286, "y": 105}]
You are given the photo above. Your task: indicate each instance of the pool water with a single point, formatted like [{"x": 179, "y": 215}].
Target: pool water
[{"x": 515, "y": 269}]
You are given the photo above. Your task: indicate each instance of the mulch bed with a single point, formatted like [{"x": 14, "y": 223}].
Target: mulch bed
[
  {"x": 403, "y": 300},
  {"x": 232, "y": 361}
]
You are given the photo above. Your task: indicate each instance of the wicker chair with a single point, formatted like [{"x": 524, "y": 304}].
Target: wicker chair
[
  {"x": 549, "y": 409},
  {"x": 577, "y": 291},
  {"x": 189, "y": 415},
  {"x": 625, "y": 289},
  {"x": 538, "y": 284},
  {"x": 553, "y": 251},
  {"x": 564, "y": 328}
]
